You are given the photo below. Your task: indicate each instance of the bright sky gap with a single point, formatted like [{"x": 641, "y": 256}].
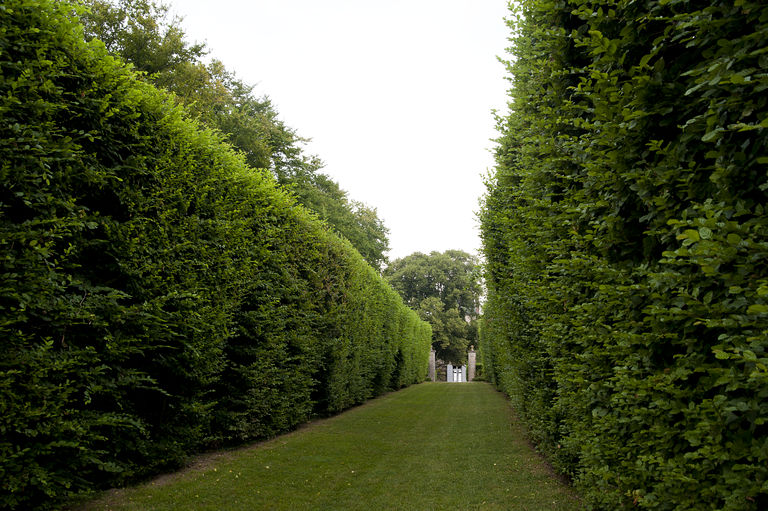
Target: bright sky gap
[{"x": 396, "y": 97}]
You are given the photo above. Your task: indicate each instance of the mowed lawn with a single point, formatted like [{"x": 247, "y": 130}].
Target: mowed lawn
[{"x": 432, "y": 446}]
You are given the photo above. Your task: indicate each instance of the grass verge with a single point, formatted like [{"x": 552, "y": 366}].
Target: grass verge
[{"x": 430, "y": 446}]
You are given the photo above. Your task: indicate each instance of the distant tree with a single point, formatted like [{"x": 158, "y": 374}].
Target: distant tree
[
  {"x": 453, "y": 276},
  {"x": 143, "y": 33},
  {"x": 450, "y": 332},
  {"x": 372, "y": 236},
  {"x": 444, "y": 288},
  {"x": 354, "y": 220}
]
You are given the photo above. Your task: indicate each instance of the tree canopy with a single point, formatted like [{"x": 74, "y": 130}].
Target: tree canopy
[{"x": 444, "y": 288}]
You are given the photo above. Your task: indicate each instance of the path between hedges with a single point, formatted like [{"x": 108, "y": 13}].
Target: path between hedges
[{"x": 432, "y": 446}]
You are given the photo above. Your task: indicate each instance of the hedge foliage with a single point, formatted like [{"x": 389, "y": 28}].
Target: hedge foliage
[
  {"x": 626, "y": 241},
  {"x": 157, "y": 295}
]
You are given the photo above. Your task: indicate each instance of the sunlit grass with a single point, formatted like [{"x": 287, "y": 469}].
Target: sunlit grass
[{"x": 430, "y": 446}]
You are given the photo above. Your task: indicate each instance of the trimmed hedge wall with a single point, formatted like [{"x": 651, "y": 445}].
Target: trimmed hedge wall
[
  {"x": 626, "y": 242},
  {"x": 157, "y": 296}
]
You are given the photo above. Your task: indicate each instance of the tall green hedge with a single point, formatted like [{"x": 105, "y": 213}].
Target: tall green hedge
[
  {"x": 626, "y": 241},
  {"x": 157, "y": 296}
]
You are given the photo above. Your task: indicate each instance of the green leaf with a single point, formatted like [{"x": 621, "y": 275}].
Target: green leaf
[
  {"x": 749, "y": 355},
  {"x": 689, "y": 234},
  {"x": 721, "y": 355}
]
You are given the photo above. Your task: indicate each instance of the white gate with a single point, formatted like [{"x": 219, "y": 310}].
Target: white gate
[{"x": 456, "y": 374}]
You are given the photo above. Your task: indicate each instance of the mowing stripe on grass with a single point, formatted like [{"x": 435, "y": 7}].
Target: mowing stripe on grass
[{"x": 431, "y": 446}]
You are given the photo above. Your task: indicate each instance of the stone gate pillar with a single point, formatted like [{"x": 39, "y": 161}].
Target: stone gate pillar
[
  {"x": 471, "y": 361},
  {"x": 432, "y": 373}
]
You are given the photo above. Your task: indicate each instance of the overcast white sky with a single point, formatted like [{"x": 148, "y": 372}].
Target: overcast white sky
[{"x": 396, "y": 96}]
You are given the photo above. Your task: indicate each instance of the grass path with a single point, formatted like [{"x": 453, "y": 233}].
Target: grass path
[{"x": 432, "y": 446}]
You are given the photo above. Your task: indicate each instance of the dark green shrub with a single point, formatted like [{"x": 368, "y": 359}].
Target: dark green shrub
[
  {"x": 157, "y": 296},
  {"x": 625, "y": 240}
]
